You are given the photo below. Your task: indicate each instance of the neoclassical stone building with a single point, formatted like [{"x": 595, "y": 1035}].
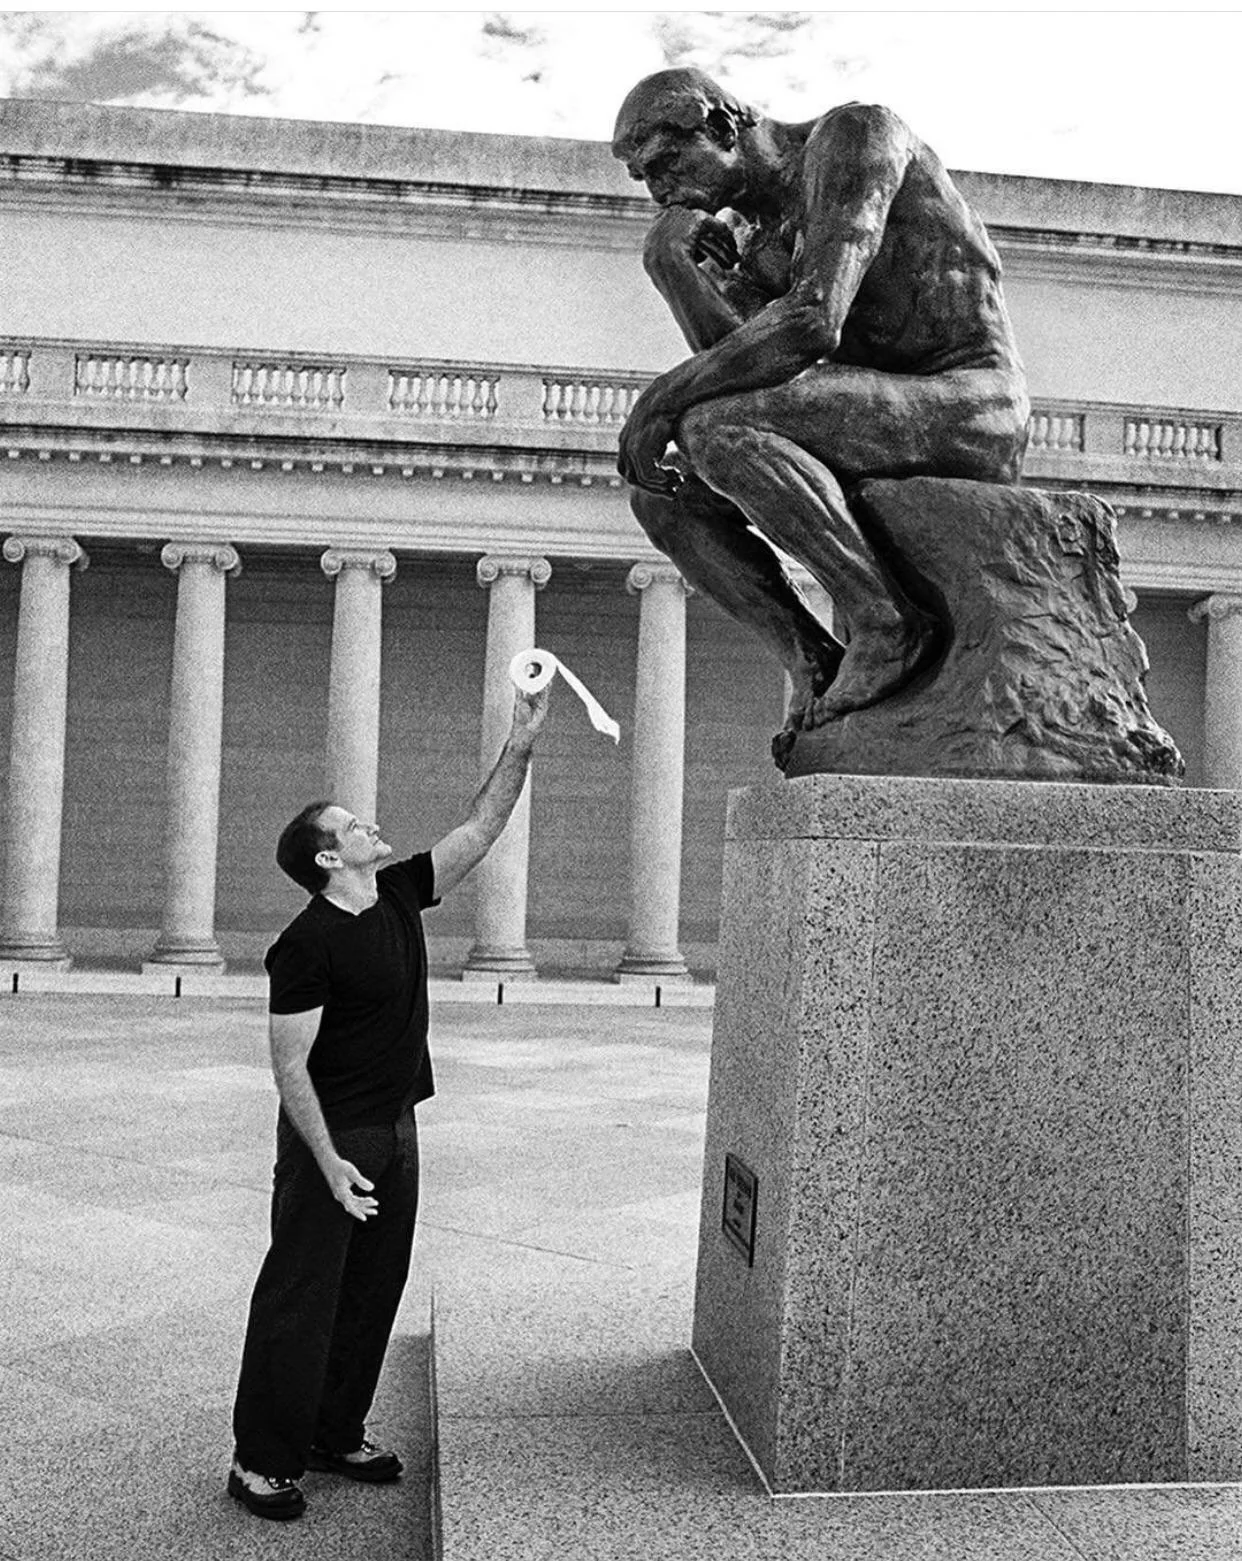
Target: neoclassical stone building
[{"x": 331, "y": 412}]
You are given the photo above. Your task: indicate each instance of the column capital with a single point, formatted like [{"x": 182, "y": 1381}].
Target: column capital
[
  {"x": 655, "y": 572},
  {"x": 65, "y": 550},
  {"x": 1217, "y": 606},
  {"x": 379, "y": 561},
  {"x": 220, "y": 555},
  {"x": 490, "y": 568}
]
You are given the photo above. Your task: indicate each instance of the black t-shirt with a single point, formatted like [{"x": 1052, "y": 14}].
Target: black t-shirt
[{"x": 368, "y": 973}]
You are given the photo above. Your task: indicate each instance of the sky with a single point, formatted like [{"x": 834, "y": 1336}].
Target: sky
[{"x": 1119, "y": 96}]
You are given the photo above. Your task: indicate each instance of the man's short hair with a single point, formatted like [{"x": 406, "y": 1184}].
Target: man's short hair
[
  {"x": 301, "y": 841},
  {"x": 681, "y": 101}
]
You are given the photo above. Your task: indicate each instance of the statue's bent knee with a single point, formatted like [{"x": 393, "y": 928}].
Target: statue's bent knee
[{"x": 710, "y": 435}]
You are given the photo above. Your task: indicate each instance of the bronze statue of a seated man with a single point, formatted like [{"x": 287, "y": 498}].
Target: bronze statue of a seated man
[{"x": 843, "y": 305}]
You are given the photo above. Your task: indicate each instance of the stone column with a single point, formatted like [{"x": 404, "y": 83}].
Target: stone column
[
  {"x": 195, "y": 725},
  {"x": 1222, "y": 695},
  {"x": 651, "y": 951},
  {"x": 37, "y": 752},
  {"x": 500, "y": 915},
  {"x": 354, "y": 678}
]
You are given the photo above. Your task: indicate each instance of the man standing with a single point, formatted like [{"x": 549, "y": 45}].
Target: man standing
[
  {"x": 843, "y": 307},
  {"x": 348, "y": 1034}
]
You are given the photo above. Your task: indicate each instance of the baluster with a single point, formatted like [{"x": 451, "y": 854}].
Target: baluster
[{"x": 493, "y": 398}]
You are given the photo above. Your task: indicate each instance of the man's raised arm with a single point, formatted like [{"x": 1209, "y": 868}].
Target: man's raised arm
[{"x": 465, "y": 847}]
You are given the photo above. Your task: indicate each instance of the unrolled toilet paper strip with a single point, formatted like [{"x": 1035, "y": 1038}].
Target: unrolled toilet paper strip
[{"x": 533, "y": 670}]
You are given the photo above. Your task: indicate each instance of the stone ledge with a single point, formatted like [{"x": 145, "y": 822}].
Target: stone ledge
[{"x": 1058, "y": 814}]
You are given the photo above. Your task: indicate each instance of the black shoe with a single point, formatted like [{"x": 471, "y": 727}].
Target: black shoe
[
  {"x": 367, "y": 1462},
  {"x": 266, "y": 1495}
]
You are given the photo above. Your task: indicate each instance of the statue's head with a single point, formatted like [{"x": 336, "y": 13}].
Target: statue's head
[{"x": 663, "y": 119}]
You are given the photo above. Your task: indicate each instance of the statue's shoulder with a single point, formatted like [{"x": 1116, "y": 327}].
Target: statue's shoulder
[
  {"x": 856, "y": 130},
  {"x": 859, "y": 119}
]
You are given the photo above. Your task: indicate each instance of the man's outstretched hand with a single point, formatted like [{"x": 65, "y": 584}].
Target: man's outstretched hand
[{"x": 529, "y": 712}]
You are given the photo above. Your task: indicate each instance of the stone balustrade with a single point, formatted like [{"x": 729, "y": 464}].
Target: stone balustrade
[
  {"x": 63, "y": 386},
  {"x": 130, "y": 378}
]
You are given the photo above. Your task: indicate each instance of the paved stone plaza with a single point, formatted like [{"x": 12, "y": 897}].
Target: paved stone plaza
[{"x": 561, "y": 1163}]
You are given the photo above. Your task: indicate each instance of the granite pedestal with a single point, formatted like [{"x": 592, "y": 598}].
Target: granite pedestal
[{"x": 976, "y": 1071}]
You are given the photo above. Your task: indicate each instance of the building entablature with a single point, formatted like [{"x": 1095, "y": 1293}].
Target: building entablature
[{"x": 119, "y": 161}]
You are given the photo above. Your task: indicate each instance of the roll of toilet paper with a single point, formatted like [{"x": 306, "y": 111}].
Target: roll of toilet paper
[{"x": 532, "y": 671}]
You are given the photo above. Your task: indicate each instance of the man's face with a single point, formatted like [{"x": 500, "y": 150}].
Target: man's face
[
  {"x": 358, "y": 844},
  {"x": 688, "y": 168}
]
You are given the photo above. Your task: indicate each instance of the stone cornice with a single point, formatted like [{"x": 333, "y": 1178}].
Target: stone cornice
[
  {"x": 170, "y": 146},
  {"x": 595, "y": 217},
  {"x": 417, "y": 208}
]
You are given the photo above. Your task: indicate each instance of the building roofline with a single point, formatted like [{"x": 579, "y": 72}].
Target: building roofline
[{"x": 87, "y": 133}]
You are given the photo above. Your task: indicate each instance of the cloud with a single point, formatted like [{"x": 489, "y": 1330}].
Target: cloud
[{"x": 1129, "y": 97}]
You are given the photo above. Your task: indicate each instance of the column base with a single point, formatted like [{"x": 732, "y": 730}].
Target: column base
[
  {"x": 37, "y": 949},
  {"x": 485, "y": 963},
  {"x": 194, "y": 953},
  {"x": 665, "y": 969}
]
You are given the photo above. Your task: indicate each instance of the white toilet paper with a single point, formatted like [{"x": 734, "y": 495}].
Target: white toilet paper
[{"x": 532, "y": 670}]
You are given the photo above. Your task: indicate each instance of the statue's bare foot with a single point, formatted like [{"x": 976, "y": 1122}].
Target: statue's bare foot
[
  {"x": 811, "y": 678},
  {"x": 877, "y": 661}
]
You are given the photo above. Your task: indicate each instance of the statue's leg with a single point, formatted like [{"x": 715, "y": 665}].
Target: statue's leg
[
  {"x": 794, "y": 499},
  {"x": 716, "y": 551}
]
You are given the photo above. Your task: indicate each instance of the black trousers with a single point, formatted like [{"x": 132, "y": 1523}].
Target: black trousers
[{"x": 325, "y": 1300}]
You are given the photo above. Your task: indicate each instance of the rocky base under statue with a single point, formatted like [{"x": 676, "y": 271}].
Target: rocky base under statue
[{"x": 1040, "y": 675}]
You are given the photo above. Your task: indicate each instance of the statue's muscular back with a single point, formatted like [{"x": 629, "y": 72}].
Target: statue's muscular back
[{"x": 931, "y": 299}]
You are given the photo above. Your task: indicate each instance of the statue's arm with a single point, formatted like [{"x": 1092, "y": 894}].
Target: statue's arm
[{"x": 854, "y": 164}]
